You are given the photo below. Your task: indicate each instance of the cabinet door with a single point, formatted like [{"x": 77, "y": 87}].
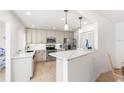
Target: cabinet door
[
  {"x": 43, "y": 37},
  {"x": 51, "y": 34},
  {"x": 58, "y": 37},
  {"x": 48, "y": 34},
  {"x": 39, "y": 56},
  {"x": 28, "y": 36},
  {"x": 33, "y": 36},
  {"x": 61, "y": 37},
  {"x": 38, "y": 36}
]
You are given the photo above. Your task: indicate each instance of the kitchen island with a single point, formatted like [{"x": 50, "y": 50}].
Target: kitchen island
[{"x": 75, "y": 66}]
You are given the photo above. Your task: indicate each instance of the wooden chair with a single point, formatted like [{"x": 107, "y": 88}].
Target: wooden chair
[{"x": 118, "y": 76}]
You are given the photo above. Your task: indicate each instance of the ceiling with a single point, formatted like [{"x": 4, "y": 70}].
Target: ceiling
[
  {"x": 2, "y": 24},
  {"x": 49, "y": 19},
  {"x": 113, "y": 15}
]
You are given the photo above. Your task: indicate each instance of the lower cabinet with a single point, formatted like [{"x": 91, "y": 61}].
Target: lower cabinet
[
  {"x": 40, "y": 55},
  {"x": 22, "y": 69}
]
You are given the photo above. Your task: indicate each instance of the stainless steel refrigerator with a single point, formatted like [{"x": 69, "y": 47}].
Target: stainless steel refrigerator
[{"x": 69, "y": 43}]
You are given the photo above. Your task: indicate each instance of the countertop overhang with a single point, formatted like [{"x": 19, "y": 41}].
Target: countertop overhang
[
  {"x": 71, "y": 54},
  {"x": 23, "y": 54}
]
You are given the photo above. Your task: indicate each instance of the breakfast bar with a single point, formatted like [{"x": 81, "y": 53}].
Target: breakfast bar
[{"x": 74, "y": 66}]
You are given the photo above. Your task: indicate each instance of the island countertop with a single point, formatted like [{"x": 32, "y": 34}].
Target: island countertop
[
  {"x": 70, "y": 54},
  {"x": 23, "y": 54}
]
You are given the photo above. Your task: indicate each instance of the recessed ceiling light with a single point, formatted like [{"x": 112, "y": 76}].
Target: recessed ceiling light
[
  {"x": 33, "y": 25},
  {"x": 62, "y": 19},
  {"x": 28, "y": 13}
]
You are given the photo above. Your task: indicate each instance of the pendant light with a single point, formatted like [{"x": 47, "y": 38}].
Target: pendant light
[
  {"x": 66, "y": 24},
  {"x": 80, "y": 28}
]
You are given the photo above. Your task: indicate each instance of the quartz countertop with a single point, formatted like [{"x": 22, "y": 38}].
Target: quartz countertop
[
  {"x": 68, "y": 55},
  {"x": 23, "y": 54}
]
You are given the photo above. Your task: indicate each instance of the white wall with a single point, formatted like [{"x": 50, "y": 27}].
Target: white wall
[
  {"x": 13, "y": 38},
  {"x": 17, "y": 30},
  {"x": 88, "y": 32},
  {"x": 2, "y": 35},
  {"x": 119, "y": 43},
  {"x": 106, "y": 37},
  {"x": 84, "y": 68}
]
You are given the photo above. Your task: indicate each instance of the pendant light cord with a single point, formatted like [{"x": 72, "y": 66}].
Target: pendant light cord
[
  {"x": 80, "y": 24},
  {"x": 80, "y": 18},
  {"x": 65, "y": 16}
]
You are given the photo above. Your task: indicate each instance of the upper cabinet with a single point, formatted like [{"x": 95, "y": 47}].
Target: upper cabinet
[
  {"x": 43, "y": 37},
  {"x": 40, "y": 36},
  {"x": 28, "y": 37},
  {"x": 51, "y": 34},
  {"x": 34, "y": 37},
  {"x": 58, "y": 37},
  {"x": 68, "y": 34}
]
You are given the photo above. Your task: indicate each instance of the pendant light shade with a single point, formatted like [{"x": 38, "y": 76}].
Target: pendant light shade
[
  {"x": 66, "y": 27},
  {"x": 80, "y": 28}
]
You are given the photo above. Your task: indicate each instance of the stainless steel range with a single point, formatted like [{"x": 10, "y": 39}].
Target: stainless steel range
[{"x": 50, "y": 48}]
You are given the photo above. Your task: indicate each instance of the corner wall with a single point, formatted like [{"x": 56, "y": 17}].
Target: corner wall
[
  {"x": 106, "y": 38},
  {"x": 13, "y": 29},
  {"x": 119, "y": 44}
]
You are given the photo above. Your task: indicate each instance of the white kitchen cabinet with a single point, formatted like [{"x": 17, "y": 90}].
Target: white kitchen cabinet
[
  {"x": 44, "y": 55},
  {"x": 43, "y": 37},
  {"x": 22, "y": 67},
  {"x": 33, "y": 36},
  {"x": 58, "y": 37},
  {"x": 51, "y": 34},
  {"x": 48, "y": 34},
  {"x": 28, "y": 37},
  {"x": 62, "y": 37},
  {"x": 38, "y": 36},
  {"x": 68, "y": 34},
  {"x": 40, "y": 55}
]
